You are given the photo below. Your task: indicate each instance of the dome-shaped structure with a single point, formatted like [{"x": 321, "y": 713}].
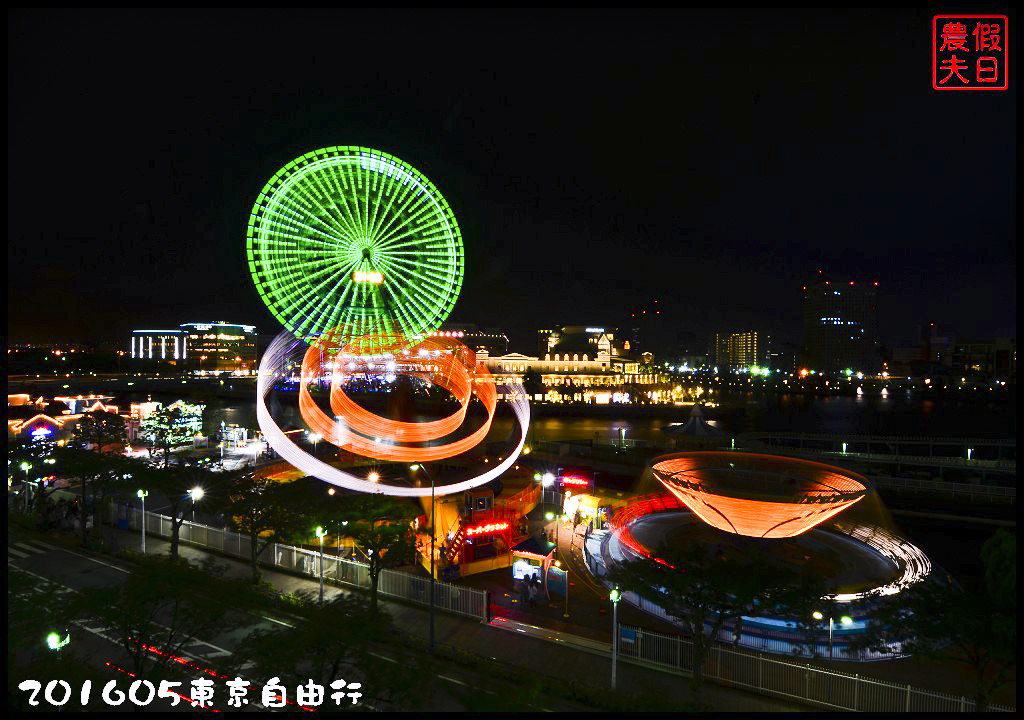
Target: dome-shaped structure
[{"x": 767, "y": 496}]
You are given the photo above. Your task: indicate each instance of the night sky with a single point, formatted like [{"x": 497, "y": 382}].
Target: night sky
[{"x": 594, "y": 161}]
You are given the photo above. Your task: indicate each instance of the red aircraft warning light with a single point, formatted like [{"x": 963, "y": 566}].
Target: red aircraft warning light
[{"x": 765, "y": 496}]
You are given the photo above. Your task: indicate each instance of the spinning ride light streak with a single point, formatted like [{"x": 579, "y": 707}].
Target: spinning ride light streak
[
  {"x": 275, "y": 365},
  {"x": 444, "y": 362},
  {"x": 766, "y": 496},
  {"x": 353, "y": 237}
]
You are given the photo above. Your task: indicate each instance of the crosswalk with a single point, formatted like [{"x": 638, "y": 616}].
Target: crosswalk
[{"x": 24, "y": 549}]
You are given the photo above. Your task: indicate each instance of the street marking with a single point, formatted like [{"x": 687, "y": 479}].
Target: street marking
[
  {"x": 49, "y": 547},
  {"x": 457, "y": 682},
  {"x": 382, "y": 657},
  {"x": 16, "y": 553},
  {"x": 113, "y": 567},
  {"x": 279, "y": 622}
]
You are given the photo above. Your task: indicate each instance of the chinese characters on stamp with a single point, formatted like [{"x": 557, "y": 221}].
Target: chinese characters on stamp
[{"x": 969, "y": 52}]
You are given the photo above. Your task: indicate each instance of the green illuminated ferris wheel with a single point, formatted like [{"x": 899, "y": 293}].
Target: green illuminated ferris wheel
[{"x": 354, "y": 238}]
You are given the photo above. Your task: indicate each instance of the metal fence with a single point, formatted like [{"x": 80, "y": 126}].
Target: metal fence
[
  {"x": 451, "y": 598},
  {"x": 988, "y": 493},
  {"x": 820, "y": 686}
]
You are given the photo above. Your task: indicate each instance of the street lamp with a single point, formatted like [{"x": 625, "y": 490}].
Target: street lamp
[
  {"x": 566, "y": 613},
  {"x": 142, "y": 496},
  {"x": 315, "y": 437},
  {"x": 546, "y": 481},
  {"x": 26, "y": 467},
  {"x": 614, "y": 596},
  {"x": 320, "y": 533},
  {"x": 196, "y": 494},
  {"x": 433, "y": 532},
  {"x": 845, "y": 621}
]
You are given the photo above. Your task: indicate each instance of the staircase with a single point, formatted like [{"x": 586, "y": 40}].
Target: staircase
[{"x": 452, "y": 551}]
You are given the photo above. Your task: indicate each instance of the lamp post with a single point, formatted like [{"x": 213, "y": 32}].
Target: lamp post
[
  {"x": 566, "y": 613},
  {"x": 315, "y": 437},
  {"x": 614, "y": 597},
  {"x": 223, "y": 440},
  {"x": 142, "y": 496},
  {"x": 195, "y": 493},
  {"x": 26, "y": 467},
  {"x": 845, "y": 621},
  {"x": 320, "y": 532},
  {"x": 433, "y": 532}
]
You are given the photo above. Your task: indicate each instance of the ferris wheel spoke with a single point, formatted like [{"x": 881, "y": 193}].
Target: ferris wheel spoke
[
  {"x": 297, "y": 214},
  {"x": 346, "y": 186},
  {"x": 407, "y": 196},
  {"x": 437, "y": 231},
  {"x": 321, "y": 312},
  {"x": 423, "y": 305},
  {"x": 408, "y": 228}
]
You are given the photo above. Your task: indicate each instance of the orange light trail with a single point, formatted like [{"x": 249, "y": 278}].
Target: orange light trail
[{"x": 447, "y": 363}]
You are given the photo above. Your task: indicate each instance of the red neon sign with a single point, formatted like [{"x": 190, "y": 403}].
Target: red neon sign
[
  {"x": 489, "y": 528},
  {"x": 577, "y": 481}
]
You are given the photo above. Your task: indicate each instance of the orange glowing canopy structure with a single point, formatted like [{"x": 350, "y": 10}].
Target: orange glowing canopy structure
[{"x": 765, "y": 496}]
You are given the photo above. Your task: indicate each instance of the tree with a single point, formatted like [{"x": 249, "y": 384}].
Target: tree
[
  {"x": 264, "y": 510},
  {"x": 104, "y": 471},
  {"x": 160, "y": 608},
  {"x": 532, "y": 383},
  {"x": 382, "y": 529},
  {"x": 176, "y": 481},
  {"x": 335, "y": 641},
  {"x": 102, "y": 429},
  {"x": 974, "y": 624},
  {"x": 708, "y": 588},
  {"x": 167, "y": 428}
]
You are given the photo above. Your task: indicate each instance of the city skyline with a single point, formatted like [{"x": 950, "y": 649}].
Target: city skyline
[{"x": 734, "y": 189}]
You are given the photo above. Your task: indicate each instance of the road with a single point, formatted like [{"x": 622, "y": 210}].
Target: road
[{"x": 56, "y": 572}]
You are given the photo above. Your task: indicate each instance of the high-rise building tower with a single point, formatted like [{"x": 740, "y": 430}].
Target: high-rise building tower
[
  {"x": 841, "y": 325},
  {"x": 741, "y": 349}
]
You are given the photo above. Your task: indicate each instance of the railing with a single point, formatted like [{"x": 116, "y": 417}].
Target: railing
[
  {"x": 918, "y": 439},
  {"x": 820, "y": 686},
  {"x": 993, "y": 493},
  {"x": 455, "y": 599}
]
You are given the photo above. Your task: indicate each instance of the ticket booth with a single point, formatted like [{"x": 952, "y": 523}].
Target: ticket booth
[{"x": 532, "y": 556}]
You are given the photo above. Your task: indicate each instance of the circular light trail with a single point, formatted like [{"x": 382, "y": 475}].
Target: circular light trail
[
  {"x": 767, "y": 496},
  {"x": 353, "y": 237},
  {"x": 446, "y": 362},
  {"x": 274, "y": 366}
]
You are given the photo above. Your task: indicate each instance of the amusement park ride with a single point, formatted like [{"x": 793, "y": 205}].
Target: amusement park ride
[{"x": 360, "y": 258}]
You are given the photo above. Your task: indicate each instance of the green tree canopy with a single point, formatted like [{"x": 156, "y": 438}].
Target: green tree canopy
[
  {"x": 381, "y": 528},
  {"x": 102, "y": 429},
  {"x": 708, "y": 588}
]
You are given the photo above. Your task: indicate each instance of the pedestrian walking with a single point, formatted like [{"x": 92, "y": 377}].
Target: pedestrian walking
[{"x": 533, "y": 595}]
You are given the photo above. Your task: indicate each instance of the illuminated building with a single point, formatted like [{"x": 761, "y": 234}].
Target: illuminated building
[
  {"x": 986, "y": 358},
  {"x": 764, "y": 496},
  {"x": 210, "y": 347},
  {"x": 840, "y": 325},
  {"x": 741, "y": 349},
  {"x": 597, "y": 378},
  {"x": 57, "y": 418},
  {"x": 494, "y": 341}
]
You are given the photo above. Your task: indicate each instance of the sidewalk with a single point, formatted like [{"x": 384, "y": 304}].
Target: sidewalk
[{"x": 560, "y": 655}]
